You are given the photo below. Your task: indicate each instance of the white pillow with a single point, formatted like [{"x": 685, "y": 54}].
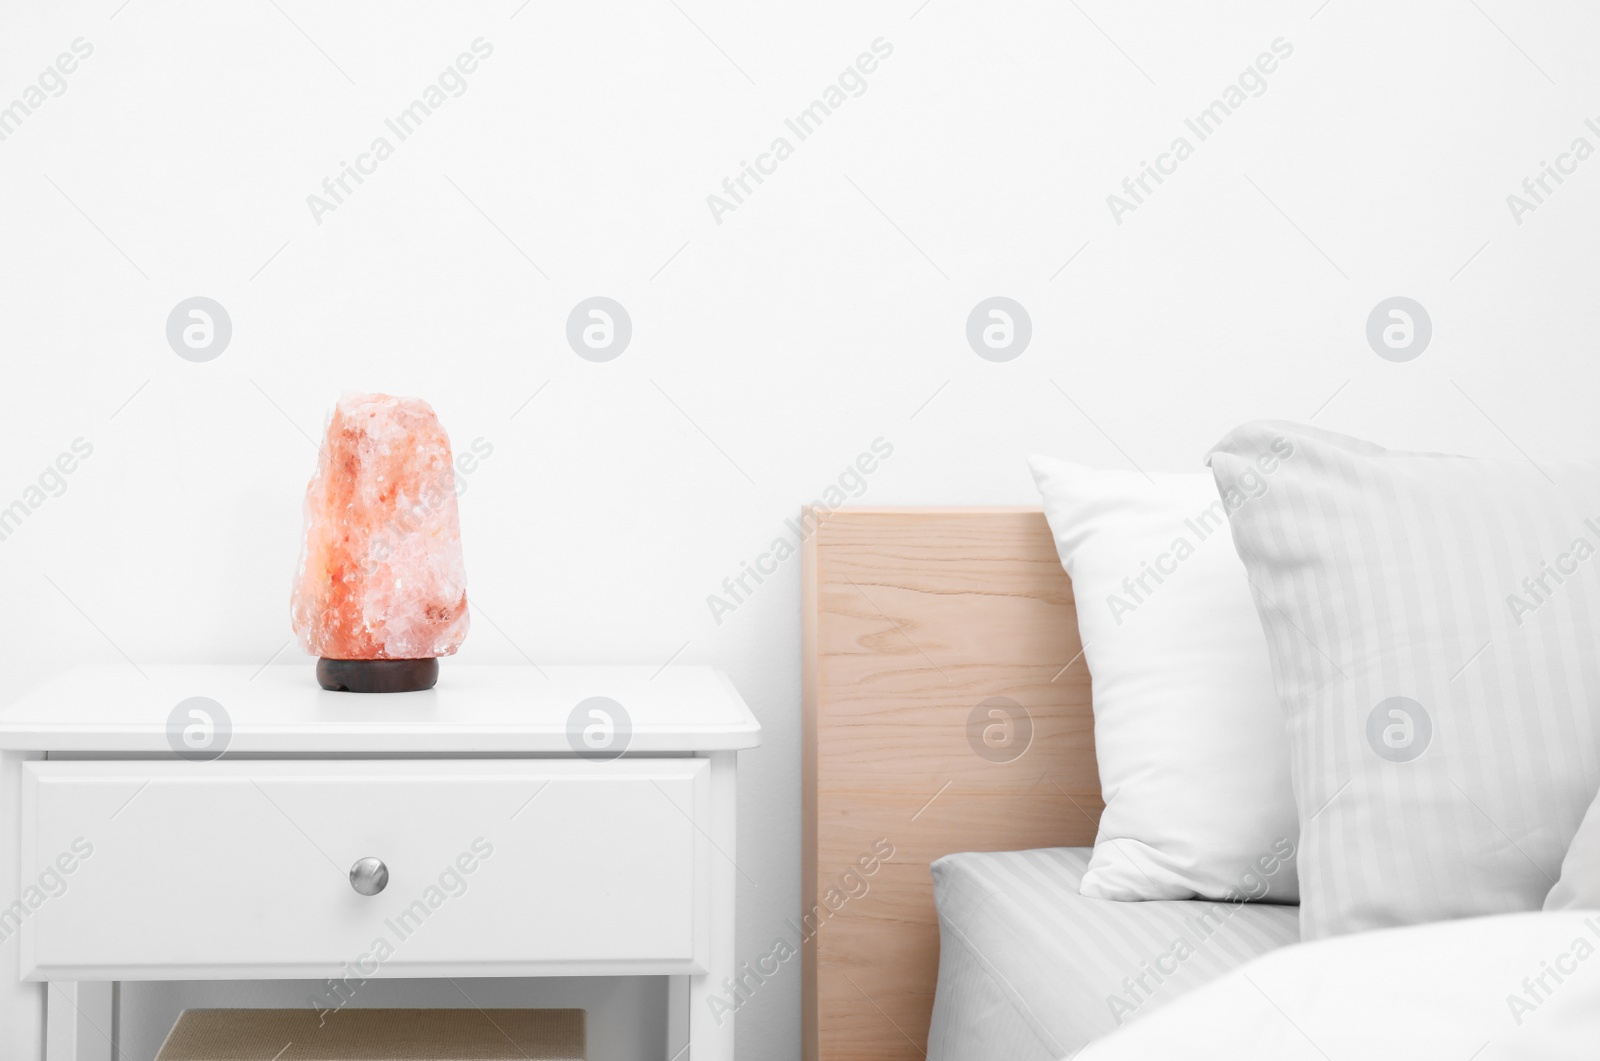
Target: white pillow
[
  {"x": 1194, "y": 764},
  {"x": 1578, "y": 887},
  {"x": 1434, "y": 626}
]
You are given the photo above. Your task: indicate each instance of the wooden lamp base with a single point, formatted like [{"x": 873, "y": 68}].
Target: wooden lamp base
[{"x": 377, "y": 675}]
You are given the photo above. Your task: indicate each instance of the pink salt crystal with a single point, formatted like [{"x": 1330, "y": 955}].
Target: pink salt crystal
[{"x": 380, "y": 571}]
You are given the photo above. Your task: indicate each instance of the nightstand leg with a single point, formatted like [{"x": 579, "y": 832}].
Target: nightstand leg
[
  {"x": 21, "y": 1004},
  {"x": 78, "y": 1021},
  {"x": 710, "y": 1028},
  {"x": 677, "y": 1018}
]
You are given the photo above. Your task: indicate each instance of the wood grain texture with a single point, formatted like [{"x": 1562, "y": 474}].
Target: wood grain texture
[{"x": 913, "y": 618}]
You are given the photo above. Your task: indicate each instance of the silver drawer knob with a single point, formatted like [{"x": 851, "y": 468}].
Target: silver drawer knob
[{"x": 369, "y": 876}]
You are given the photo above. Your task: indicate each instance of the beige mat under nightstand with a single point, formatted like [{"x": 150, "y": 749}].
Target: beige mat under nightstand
[{"x": 377, "y": 1035}]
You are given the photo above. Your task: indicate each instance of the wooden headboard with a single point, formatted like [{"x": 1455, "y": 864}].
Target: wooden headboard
[{"x": 913, "y": 619}]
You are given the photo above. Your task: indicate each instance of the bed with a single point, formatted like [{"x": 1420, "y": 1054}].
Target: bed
[{"x": 951, "y": 792}]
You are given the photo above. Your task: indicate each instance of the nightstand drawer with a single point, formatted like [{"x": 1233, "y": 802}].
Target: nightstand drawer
[{"x": 241, "y": 869}]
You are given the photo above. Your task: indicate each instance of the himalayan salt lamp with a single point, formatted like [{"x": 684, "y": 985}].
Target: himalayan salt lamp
[{"x": 381, "y": 591}]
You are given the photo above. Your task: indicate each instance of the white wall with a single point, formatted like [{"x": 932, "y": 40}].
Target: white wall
[{"x": 826, "y": 311}]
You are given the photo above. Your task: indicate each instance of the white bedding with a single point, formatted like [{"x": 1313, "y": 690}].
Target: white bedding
[
  {"x": 1030, "y": 970},
  {"x": 1523, "y": 986}
]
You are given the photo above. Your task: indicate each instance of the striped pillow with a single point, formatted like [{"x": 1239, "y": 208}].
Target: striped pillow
[{"x": 1434, "y": 628}]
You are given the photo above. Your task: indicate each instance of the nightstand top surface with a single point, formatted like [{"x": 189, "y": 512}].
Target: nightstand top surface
[{"x": 474, "y": 710}]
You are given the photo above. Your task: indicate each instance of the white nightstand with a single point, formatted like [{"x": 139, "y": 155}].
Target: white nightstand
[{"x": 515, "y": 842}]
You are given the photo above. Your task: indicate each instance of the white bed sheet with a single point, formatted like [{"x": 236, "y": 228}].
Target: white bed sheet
[
  {"x": 1513, "y": 986},
  {"x": 1030, "y": 970}
]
